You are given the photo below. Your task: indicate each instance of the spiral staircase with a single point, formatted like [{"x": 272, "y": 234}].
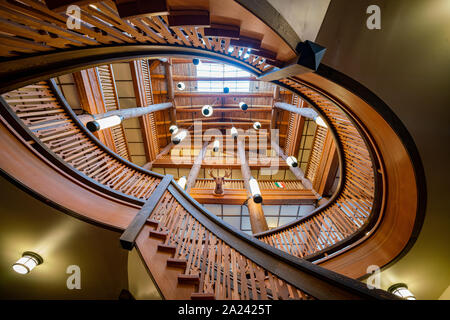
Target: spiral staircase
[{"x": 372, "y": 218}]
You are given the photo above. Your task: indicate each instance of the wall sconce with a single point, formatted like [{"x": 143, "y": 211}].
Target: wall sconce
[
  {"x": 401, "y": 290},
  {"x": 103, "y": 123},
  {"x": 27, "y": 263}
]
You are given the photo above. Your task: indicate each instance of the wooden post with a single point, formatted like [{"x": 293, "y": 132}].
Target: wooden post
[
  {"x": 126, "y": 113},
  {"x": 170, "y": 90},
  {"x": 257, "y": 220},
  {"x": 274, "y": 116},
  {"x": 163, "y": 152},
  {"x": 193, "y": 174}
]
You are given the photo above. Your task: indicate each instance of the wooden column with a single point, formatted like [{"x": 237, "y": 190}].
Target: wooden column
[
  {"x": 276, "y": 97},
  {"x": 257, "y": 219},
  {"x": 163, "y": 152},
  {"x": 143, "y": 91},
  {"x": 91, "y": 99},
  {"x": 193, "y": 174},
  {"x": 170, "y": 90}
]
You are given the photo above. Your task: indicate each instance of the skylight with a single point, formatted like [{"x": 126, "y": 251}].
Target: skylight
[{"x": 216, "y": 70}]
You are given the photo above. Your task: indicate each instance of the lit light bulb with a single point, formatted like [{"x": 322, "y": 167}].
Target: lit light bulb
[
  {"x": 103, "y": 123},
  {"x": 234, "y": 132},
  {"x": 254, "y": 189},
  {"x": 216, "y": 145},
  {"x": 401, "y": 290},
  {"x": 181, "y": 86},
  {"x": 320, "y": 122},
  {"x": 257, "y": 125},
  {"x": 207, "y": 110},
  {"x": 292, "y": 161},
  {"x": 179, "y": 137},
  {"x": 173, "y": 129},
  {"x": 243, "y": 106},
  {"x": 182, "y": 182},
  {"x": 27, "y": 263}
]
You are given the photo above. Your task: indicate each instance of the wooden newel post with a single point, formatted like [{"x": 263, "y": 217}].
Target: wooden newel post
[{"x": 257, "y": 219}]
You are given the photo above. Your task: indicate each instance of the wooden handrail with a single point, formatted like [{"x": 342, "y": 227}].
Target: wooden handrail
[
  {"x": 354, "y": 208},
  {"x": 187, "y": 226}
]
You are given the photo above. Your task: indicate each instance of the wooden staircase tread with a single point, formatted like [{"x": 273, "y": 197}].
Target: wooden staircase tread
[
  {"x": 152, "y": 223},
  {"x": 158, "y": 234},
  {"x": 203, "y": 296},
  {"x": 167, "y": 248},
  {"x": 177, "y": 263},
  {"x": 189, "y": 279}
]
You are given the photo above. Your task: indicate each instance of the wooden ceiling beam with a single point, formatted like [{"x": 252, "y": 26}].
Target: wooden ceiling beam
[
  {"x": 141, "y": 8},
  {"x": 223, "y": 31},
  {"x": 188, "y": 18}
]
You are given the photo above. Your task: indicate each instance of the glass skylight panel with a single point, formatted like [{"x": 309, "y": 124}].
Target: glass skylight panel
[{"x": 215, "y": 70}]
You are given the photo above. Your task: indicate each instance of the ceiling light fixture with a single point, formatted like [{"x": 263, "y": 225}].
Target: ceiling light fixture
[
  {"x": 179, "y": 137},
  {"x": 254, "y": 189},
  {"x": 257, "y": 125},
  {"x": 182, "y": 182},
  {"x": 173, "y": 129},
  {"x": 27, "y": 263},
  {"x": 216, "y": 145},
  {"x": 103, "y": 123},
  {"x": 292, "y": 161},
  {"x": 207, "y": 110},
  {"x": 181, "y": 86},
  {"x": 320, "y": 122},
  {"x": 243, "y": 106},
  {"x": 234, "y": 132}
]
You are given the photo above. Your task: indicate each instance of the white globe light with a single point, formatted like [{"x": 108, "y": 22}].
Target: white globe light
[
  {"x": 207, "y": 110},
  {"x": 181, "y": 86}
]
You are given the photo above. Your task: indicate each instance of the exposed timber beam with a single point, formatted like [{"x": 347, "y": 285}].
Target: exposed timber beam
[
  {"x": 223, "y": 31},
  {"x": 141, "y": 8},
  {"x": 297, "y": 171},
  {"x": 257, "y": 220},
  {"x": 163, "y": 152},
  {"x": 180, "y": 18},
  {"x": 310, "y": 55},
  {"x": 305, "y": 112},
  {"x": 126, "y": 113},
  {"x": 193, "y": 174}
]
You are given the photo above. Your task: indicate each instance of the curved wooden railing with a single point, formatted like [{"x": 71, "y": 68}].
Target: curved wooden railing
[
  {"x": 228, "y": 263},
  {"x": 353, "y": 210}
]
